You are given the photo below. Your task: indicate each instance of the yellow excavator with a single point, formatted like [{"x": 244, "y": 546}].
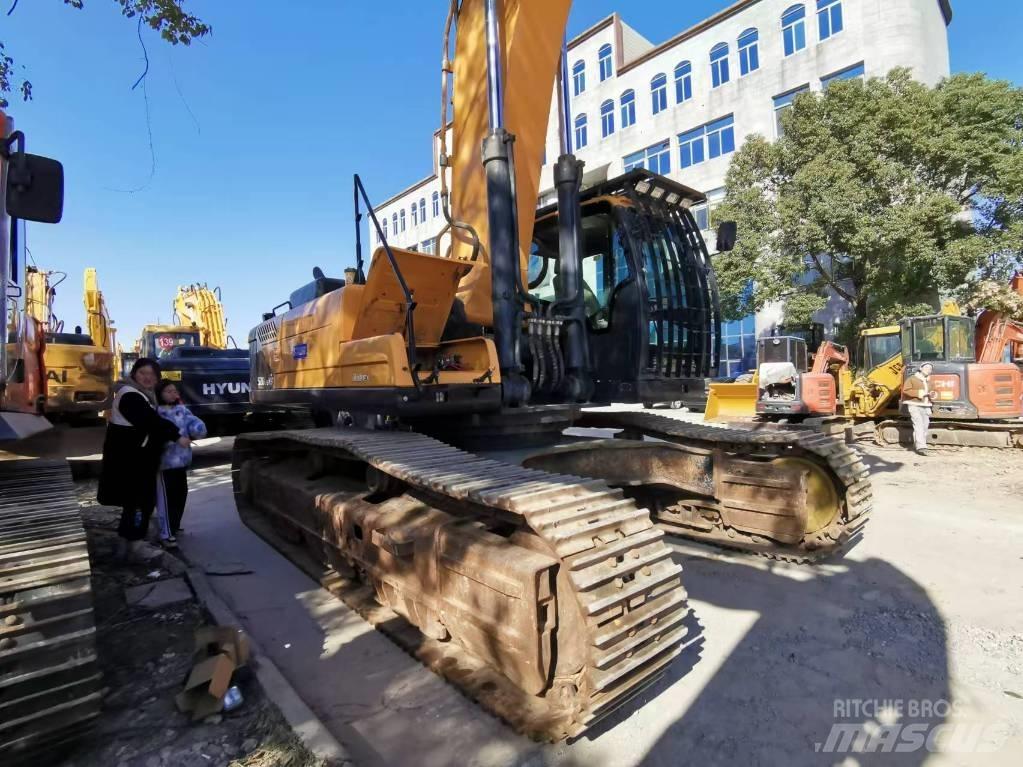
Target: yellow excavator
[
  {"x": 79, "y": 368},
  {"x": 98, "y": 325},
  {"x": 534, "y": 578},
  {"x": 50, "y": 684},
  {"x": 196, "y": 352}
]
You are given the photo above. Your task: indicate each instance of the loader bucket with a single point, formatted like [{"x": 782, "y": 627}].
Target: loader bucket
[{"x": 731, "y": 402}]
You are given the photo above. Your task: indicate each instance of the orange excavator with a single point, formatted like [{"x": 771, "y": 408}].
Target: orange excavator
[
  {"x": 50, "y": 684},
  {"x": 536, "y": 580}
]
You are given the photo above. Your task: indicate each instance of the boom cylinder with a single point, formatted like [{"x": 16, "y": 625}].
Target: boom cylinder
[{"x": 502, "y": 217}]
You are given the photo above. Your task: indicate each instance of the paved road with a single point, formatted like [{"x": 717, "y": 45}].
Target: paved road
[{"x": 925, "y": 609}]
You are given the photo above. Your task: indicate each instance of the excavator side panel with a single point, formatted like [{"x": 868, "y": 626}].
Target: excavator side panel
[
  {"x": 532, "y": 34},
  {"x": 817, "y": 391},
  {"x": 996, "y": 390}
]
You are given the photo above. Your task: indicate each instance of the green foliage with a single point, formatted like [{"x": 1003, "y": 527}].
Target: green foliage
[
  {"x": 167, "y": 17},
  {"x": 996, "y": 296},
  {"x": 887, "y": 193}
]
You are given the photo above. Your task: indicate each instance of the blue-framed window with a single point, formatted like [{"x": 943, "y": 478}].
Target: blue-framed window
[
  {"x": 415, "y": 214},
  {"x": 607, "y": 118},
  {"x": 683, "y": 82},
  {"x": 578, "y": 77},
  {"x": 604, "y": 62},
  {"x": 628, "y": 108},
  {"x": 427, "y": 246},
  {"x": 691, "y": 148},
  {"x": 659, "y": 93},
  {"x": 721, "y": 137},
  {"x": 739, "y": 346},
  {"x": 851, "y": 73},
  {"x": 719, "y": 74},
  {"x": 422, "y": 210},
  {"x": 829, "y": 18},
  {"x": 383, "y": 225},
  {"x": 715, "y": 139},
  {"x": 401, "y": 218},
  {"x": 436, "y": 204},
  {"x": 749, "y": 51},
  {"x": 394, "y": 223},
  {"x": 656, "y": 159},
  {"x": 793, "y": 29},
  {"x": 580, "y": 131},
  {"x": 782, "y": 104}
]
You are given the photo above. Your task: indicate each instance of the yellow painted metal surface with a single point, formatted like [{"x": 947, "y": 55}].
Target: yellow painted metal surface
[
  {"x": 198, "y": 307},
  {"x": 532, "y": 33},
  {"x": 98, "y": 324},
  {"x": 731, "y": 402}
]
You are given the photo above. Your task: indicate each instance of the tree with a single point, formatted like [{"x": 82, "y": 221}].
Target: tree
[
  {"x": 885, "y": 193},
  {"x": 167, "y": 17}
]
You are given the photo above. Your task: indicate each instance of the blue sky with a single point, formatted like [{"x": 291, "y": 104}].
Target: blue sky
[{"x": 257, "y": 130}]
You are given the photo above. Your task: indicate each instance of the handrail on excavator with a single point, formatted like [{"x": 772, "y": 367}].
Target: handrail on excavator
[{"x": 410, "y": 304}]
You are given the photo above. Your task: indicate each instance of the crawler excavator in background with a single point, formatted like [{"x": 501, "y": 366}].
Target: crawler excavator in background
[
  {"x": 50, "y": 684},
  {"x": 212, "y": 377},
  {"x": 98, "y": 325},
  {"x": 79, "y": 368},
  {"x": 543, "y": 591}
]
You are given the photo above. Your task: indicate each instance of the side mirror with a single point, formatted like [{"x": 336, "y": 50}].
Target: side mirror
[
  {"x": 728, "y": 232},
  {"x": 35, "y": 188}
]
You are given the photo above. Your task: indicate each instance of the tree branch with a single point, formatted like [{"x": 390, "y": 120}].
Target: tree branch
[{"x": 830, "y": 279}]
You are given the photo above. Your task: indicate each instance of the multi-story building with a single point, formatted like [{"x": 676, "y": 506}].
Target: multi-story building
[{"x": 682, "y": 108}]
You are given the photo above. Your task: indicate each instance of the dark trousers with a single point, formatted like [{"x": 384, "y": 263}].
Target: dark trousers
[
  {"x": 175, "y": 482},
  {"x": 134, "y": 522}
]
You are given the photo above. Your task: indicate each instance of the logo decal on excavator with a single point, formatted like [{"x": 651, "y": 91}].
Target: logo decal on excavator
[
  {"x": 360, "y": 378},
  {"x": 300, "y": 351},
  {"x": 51, "y": 375},
  {"x": 211, "y": 389}
]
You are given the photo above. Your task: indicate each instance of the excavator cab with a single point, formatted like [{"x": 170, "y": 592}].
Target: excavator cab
[
  {"x": 966, "y": 389},
  {"x": 653, "y": 322}
]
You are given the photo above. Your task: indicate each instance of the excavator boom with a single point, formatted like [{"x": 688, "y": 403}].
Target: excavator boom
[{"x": 199, "y": 307}]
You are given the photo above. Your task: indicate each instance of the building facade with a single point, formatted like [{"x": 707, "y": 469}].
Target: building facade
[{"x": 681, "y": 108}]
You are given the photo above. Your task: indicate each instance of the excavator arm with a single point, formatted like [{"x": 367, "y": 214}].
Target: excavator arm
[
  {"x": 531, "y": 36},
  {"x": 200, "y": 307}
]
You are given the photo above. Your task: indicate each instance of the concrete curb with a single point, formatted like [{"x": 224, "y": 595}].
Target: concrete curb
[{"x": 306, "y": 725}]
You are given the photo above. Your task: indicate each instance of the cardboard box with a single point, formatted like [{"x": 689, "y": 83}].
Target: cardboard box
[{"x": 219, "y": 652}]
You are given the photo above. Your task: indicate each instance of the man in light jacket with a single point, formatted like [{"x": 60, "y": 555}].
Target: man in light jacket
[{"x": 916, "y": 396}]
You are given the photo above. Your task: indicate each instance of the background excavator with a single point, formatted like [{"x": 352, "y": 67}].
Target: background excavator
[
  {"x": 541, "y": 588},
  {"x": 50, "y": 684},
  {"x": 79, "y": 367},
  {"x": 977, "y": 377},
  {"x": 194, "y": 352}
]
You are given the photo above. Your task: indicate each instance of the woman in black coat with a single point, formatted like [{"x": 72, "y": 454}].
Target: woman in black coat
[{"x": 135, "y": 438}]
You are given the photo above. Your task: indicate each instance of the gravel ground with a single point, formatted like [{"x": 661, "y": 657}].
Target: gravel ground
[{"x": 145, "y": 655}]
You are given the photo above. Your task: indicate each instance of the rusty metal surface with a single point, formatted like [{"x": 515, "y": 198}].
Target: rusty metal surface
[
  {"x": 558, "y": 594},
  {"x": 49, "y": 677},
  {"x": 755, "y": 507},
  {"x": 954, "y": 434}
]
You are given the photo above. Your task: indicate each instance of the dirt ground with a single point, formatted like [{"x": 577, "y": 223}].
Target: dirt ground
[{"x": 145, "y": 655}]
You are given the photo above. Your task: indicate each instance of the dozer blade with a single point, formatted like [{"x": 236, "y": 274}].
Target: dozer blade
[
  {"x": 787, "y": 495},
  {"x": 731, "y": 402},
  {"x": 549, "y": 599}
]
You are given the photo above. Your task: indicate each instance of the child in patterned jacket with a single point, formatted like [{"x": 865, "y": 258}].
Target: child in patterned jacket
[{"x": 172, "y": 482}]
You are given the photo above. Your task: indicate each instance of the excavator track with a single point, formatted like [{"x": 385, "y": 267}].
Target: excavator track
[
  {"x": 1005, "y": 435},
  {"x": 620, "y": 608},
  {"x": 749, "y": 479},
  {"x": 50, "y": 683}
]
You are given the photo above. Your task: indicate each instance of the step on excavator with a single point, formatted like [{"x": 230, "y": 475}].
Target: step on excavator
[
  {"x": 533, "y": 578},
  {"x": 79, "y": 367},
  {"x": 50, "y": 684}
]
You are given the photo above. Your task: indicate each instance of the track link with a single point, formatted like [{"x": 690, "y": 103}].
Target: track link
[
  {"x": 850, "y": 474},
  {"x": 50, "y": 684},
  {"x": 628, "y": 589}
]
